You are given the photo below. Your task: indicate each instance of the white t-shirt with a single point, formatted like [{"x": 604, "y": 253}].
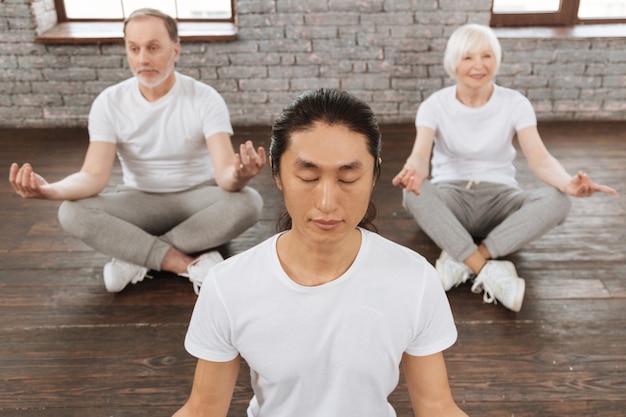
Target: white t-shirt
[
  {"x": 161, "y": 145},
  {"x": 331, "y": 350},
  {"x": 475, "y": 143}
]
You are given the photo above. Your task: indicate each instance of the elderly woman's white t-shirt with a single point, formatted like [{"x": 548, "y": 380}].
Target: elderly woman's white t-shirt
[{"x": 475, "y": 143}]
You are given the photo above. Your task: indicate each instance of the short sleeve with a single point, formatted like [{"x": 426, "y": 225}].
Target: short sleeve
[
  {"x": 524, "y": 113},
  {"x": 100, "y": 126},
  {"x": 436, "y": 330},
  {"x": 426, "y": 114},
  {"x": 209, "y": 333},
  {"x": 216, "y": 118}
]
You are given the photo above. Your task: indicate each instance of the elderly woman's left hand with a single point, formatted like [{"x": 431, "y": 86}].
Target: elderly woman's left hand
[{"x": 582, "y": 186}]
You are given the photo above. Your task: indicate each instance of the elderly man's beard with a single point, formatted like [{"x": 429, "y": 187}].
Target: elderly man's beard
[{"x": 151, "y": 82}]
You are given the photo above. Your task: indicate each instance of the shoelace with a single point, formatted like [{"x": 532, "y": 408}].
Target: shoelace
[
  {"x": 479, "y": 286},
  {"x": 196, "y": 284},
  {"x": 192, "y": 266}
]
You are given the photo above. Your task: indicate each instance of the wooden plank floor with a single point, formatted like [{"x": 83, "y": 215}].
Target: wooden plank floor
[{"x": 69, "y": 348}]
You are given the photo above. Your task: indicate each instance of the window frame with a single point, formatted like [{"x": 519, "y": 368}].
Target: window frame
[
  {"x": 62, "y": 15},
  {"x": 566, "y": 16},
  {"x": 90, "y": 31}
]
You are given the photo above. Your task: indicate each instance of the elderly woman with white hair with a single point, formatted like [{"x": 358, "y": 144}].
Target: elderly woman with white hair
[{"x": 472, "y": 206}]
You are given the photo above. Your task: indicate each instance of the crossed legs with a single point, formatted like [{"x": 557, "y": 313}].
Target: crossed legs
[
  {"x": 501, "y": 218},
  {"x": 160, "y": 230}
]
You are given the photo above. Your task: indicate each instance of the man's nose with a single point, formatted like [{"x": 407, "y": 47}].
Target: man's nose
[
  {"x": 142, "y": 56},
  {"x": 327, "y": 199}
]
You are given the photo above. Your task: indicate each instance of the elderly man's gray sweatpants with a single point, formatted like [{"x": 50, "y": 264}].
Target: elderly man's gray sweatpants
[{"x": 140, "y": 227}]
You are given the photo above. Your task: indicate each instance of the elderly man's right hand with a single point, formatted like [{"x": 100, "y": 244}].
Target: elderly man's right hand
[{"x": 27, "y": 183}]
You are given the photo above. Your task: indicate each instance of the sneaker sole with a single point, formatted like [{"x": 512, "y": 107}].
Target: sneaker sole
[
  {"x": 519, "y": 296},
  {"x": 521, "y": 289},
  {"x": 107, "y": 271},
  {"x": 440, "y": 273}
]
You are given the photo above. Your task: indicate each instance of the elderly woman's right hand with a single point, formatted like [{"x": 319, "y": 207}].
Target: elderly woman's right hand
[{"x": 409, "y": 179}]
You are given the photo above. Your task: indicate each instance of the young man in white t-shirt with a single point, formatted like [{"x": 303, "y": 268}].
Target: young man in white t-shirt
[
  {"x": 184, "y": 187},
  {"x": 327, "y": 311}
]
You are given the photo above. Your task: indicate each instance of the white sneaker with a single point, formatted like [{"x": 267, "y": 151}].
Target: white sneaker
[
  {"x": 452, "y": 272},
  {"x": 199, "y": 268},
  {"x": 500, "y": 282},
  {"x": 118, "y": 274}
]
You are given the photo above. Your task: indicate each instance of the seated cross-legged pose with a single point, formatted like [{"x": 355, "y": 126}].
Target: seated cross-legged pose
[
  {"x": 326, "y": 311},
  {"x": 472, "y": 207},
  {"x": 184, "y": 187}
]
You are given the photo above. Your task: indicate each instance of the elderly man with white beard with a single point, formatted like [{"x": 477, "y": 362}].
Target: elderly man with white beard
[{"x": 184, "y": 189}]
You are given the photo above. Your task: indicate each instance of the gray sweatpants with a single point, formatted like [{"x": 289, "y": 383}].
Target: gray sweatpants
[
  {"x": 140, "y": 227},
  {"x": 456, "y": 214}
]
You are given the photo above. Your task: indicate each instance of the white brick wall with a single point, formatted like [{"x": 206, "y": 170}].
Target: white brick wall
[{"x": 388, "y": 52}]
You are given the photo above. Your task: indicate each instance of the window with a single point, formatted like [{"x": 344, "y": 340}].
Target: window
[
  {"x": 212, "y": 10},
  {"x": 80, "y": 21},
  {"x": 557, "y": 12}
]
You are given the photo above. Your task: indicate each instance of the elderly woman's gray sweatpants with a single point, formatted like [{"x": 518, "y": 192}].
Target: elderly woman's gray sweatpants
[{"x": 457, "y": 214}]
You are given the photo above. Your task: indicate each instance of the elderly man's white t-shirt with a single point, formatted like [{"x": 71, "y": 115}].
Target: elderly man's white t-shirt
[{"x": 161, "y": 145}]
